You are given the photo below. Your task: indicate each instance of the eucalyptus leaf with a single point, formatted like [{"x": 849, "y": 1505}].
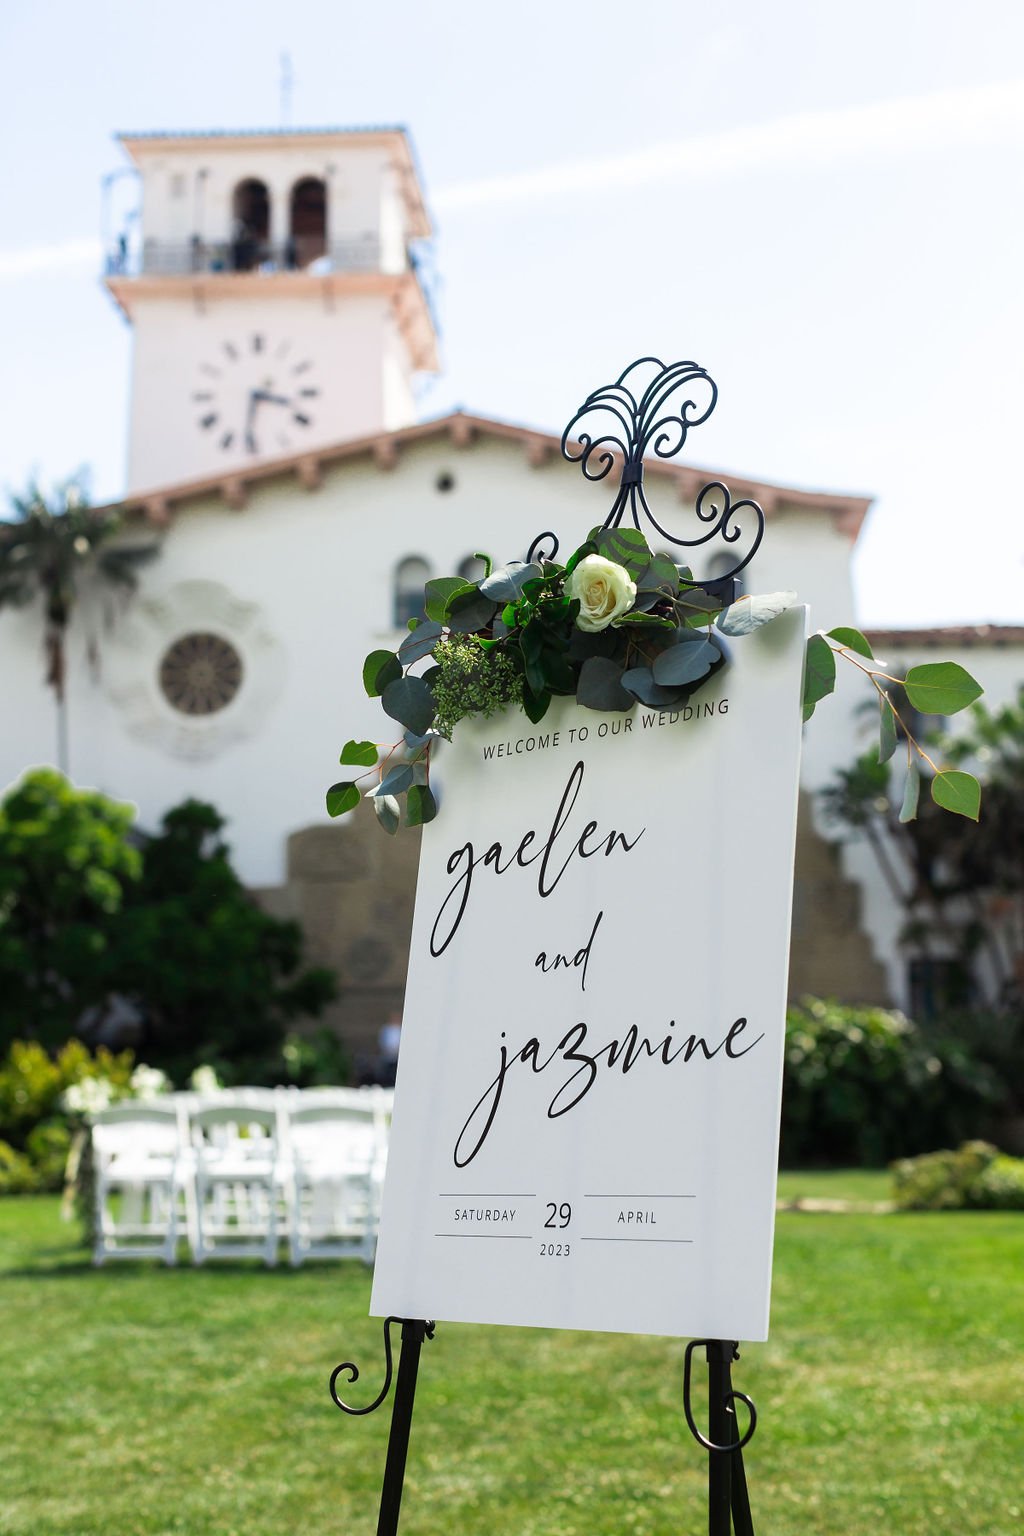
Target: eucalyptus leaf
[
  {"x": 819, "y": 673},
  {"x": 420, "y": 643},
  {"x": 415, "y": 741},
  {"x": 853, "y": 640},
  {"x": 661, "y": 575},
  {"x": 958, "y": 792},
  {"x": 625, "y": 546},
  {"x": 409, "y": 701},
  {"x": 749, "y": 613},
  {"x": 941, "y": 688},
  {"x": 387, "y": 812},
  {"x": 685, "y": 663},
  {"x": 396, "y": 781},
  {"x": 379, "y": 669},
  {"x": 469, "y": 611},
  {"x": 420, "y": 806},
  {"x": 341, "y": 798},
  {"x": 694, "y": 603},
  {"x": 506, "y": 583},
  {"x": 886, "y": 730},
  {"x": 911, "y": 794},
  {"x": 437, "y": 594},
  {"x": 358, "y": 754},
  {"x": 639, "y": 681},
  {"x": 600, "y": 685}
]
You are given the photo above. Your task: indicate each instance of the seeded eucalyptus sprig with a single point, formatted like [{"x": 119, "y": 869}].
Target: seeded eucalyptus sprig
[{"x": 933, "y": 688}]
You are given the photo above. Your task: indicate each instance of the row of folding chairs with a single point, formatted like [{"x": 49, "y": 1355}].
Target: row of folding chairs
[{"x": 238, "y": 1172}]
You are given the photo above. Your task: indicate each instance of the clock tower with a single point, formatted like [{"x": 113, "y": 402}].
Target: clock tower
[{"x": 277, "y": 302}]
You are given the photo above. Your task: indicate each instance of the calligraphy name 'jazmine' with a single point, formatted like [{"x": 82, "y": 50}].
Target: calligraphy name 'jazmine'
[
  {"x": 586, "y": 1064},
  {"x": 555, "y": 854}
]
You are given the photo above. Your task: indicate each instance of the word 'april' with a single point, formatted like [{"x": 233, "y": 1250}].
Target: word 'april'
[{"x": 555, "y": 854}]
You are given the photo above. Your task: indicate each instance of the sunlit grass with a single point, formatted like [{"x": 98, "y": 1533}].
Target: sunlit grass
[{"x": 141, "y": 1400}]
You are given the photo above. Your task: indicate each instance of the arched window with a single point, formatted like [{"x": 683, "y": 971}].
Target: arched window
[
  {"x": 250, "y": 224},
  {"x": 472, "y": 568},
  {"x": 307, "y": 224},
  {"x": 411, "y": 576}
]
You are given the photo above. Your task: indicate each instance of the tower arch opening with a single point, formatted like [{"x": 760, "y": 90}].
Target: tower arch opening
[
  {"x": 250, "y": 223},
  {"x": 307, "y": 223}
]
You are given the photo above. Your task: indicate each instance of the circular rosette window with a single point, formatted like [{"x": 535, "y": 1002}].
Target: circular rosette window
[
  {"x": 200, "y": 673},
  {"x": 193, "y": 669}
]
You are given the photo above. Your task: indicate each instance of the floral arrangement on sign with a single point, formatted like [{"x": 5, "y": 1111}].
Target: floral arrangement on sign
[{"x": 616, "y": 625}]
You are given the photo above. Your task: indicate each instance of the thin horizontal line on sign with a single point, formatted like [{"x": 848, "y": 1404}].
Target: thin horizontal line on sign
[
  {"x": 461, "y": 1196},
  {"x": 634, "y": 1240},
  {"x": 639, "y": 1197},
  {"x": 521, "y": 1237}
]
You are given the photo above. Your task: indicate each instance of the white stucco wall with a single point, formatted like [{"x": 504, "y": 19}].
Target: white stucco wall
[{"x": 302, "y": 584}]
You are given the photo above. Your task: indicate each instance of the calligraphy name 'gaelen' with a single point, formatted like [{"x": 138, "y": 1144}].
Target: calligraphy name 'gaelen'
[
  {"x": 464, "y": 862},
  {"x": 569, "y": 1050}
]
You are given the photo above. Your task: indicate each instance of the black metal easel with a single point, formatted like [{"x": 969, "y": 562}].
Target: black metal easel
[
  {"x": 618, "y": 424},
  {"x": 728, "y": 1500}
]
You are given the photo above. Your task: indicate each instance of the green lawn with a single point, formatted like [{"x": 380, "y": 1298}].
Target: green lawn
[{"x": 139, "y": 1400}]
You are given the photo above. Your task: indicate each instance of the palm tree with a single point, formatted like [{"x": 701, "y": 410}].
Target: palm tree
[{"x": 47, "y": 549}]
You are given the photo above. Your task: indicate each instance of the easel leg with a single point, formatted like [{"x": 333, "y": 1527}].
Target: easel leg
[
  {"x": 721, "y": 1431},
  {"x": 728, "y": 1502},
  {"x": 413, "y": 1334}
]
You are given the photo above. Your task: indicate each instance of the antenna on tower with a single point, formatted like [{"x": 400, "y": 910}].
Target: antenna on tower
[{"x": 286, "y": 90}]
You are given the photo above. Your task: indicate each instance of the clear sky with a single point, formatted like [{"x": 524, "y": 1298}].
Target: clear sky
[{"x": 821, "y": 203}]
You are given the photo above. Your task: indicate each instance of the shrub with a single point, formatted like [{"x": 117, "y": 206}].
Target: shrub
[
  {"x": 864, "y": 1085},
  {"x": 975, "y": 1177},
  {"x": 42, "y": 1100},
  {"x": 1000, "y": 1186},
  {"x": 17, "y": 1176}
]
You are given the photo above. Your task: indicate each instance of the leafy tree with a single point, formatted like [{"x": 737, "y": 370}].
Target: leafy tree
[
  {"x": 65, "y": 865},
  {"x": 165, "y": 928},
  {"x": 218, "y": 980},
  {"x": 46, "y": 550},
  {"x": 959, "y": 885}
]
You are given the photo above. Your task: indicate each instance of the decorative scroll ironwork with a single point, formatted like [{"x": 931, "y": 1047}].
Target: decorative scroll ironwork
[
  {"x": 728, "y": 1398},
  {"x": 352, "y": 1371},
  {"x": 645, "y": 411}
]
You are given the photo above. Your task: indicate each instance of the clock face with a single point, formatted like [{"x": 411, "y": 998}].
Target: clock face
[{"x": 256, "y": 395}]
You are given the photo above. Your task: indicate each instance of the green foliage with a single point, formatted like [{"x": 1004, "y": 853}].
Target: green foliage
[
  {"x": 975, "y": 1177},
  {"x": 66, "y": 867},
  {"x": 316, "y": 1060},
  {"x": 35, "y": 1121},
  {"x": 819, "y": 673},
  {"x": 17, "y": 1175},
  {"x": 865, "y": 1085},
  {"x": 519, "y": 637},
  {"x": 941, "y": 687},
  {"x": 959, "y": 883}
]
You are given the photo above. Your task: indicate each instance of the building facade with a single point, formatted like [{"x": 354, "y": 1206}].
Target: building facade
[{"x": 280, "y": 325}]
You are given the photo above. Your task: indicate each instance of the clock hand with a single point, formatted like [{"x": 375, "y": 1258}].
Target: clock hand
[
  {"x": 262, "y": 394},
  {"x": 250, "y": 437}
]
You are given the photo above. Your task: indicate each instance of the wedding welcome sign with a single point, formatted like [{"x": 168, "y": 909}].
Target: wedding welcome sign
[{"x": 586, "y": 1115}]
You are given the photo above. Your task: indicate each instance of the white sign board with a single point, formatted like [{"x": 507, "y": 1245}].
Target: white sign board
[{"x": 587, "y": 1107}]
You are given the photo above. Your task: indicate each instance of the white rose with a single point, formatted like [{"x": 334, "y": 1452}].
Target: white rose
[{"x": 605, "y": 591}]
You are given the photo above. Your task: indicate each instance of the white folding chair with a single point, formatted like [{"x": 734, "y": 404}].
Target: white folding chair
[
  {"x": 139, "y": 1184},
  {"x": 338, "y": 1147},
  {"x": 234, "y": 1143}
]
